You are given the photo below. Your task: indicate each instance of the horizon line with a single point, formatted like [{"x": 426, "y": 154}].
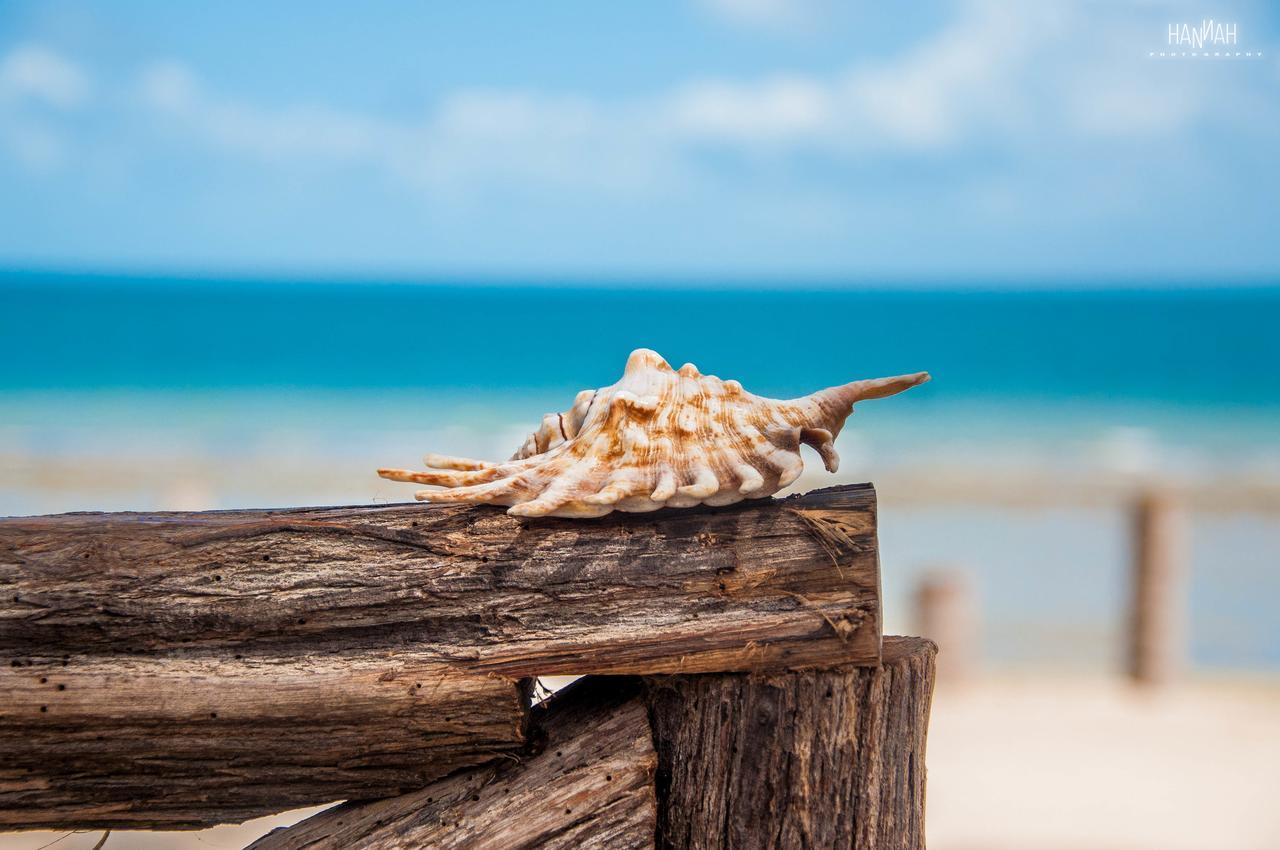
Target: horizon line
[{"x": 693, "y": 282}]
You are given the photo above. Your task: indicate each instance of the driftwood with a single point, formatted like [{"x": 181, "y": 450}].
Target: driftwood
[
  {"x": 585, "y": 782},
  {"x": 808, "y": 759},
  {"x": 816, "y": 759},
  {"x": 179, "y": 670}
]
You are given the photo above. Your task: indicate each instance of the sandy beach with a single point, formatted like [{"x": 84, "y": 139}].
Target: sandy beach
[{"x": 1023, "y": 763}]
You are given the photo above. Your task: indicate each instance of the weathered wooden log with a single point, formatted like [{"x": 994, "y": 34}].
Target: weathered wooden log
[
  {"x": 812, "y": 759},
  {"x": 184, "y": 742},
  {"x": 585, "y": 782},
  {"x": 772, "y": 583},
  {"x": 153, "y": 624}
]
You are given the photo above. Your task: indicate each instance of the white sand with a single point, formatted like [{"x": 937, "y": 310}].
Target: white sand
[{"x": 1093, "y": 764}]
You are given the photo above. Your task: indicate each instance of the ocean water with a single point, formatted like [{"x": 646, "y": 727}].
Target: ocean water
[
  {"x": 144, "y": 393},
  {"x": 1142, "y": 379},
  {"x": 1187, "y": 348}
]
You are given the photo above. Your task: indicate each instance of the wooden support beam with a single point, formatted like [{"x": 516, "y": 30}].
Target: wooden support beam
[
  {"x": 586, "y": 782},
  {"x": 155, "y": 623},
  {"x": 828, "y": 758}
]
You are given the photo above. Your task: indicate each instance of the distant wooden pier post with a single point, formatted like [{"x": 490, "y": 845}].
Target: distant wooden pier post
[
  {"x": 1157, "y": 603},
  {"x": 946, "y": 612}
]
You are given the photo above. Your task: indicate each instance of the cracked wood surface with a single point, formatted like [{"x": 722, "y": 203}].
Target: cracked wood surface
[
  {"x": 185, "y": 741},
  {"x": 586, "y": 781},
  {"x": 808, "y": 760},
  {"x": 769, "y": 583},
  {"x": 221, "y": 645}
]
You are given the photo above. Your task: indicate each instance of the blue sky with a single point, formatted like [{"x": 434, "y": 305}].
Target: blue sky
[{"x": 727, "y": 139}]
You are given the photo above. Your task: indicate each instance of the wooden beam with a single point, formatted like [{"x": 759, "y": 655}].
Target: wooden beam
[
  {"x": 314, "y": 627},
  {"x": 829, "y": 758},
  {"x": 189, "y": 741},
  {"x": 770, "y": 583},
  {"x": 587, "y": 782}
]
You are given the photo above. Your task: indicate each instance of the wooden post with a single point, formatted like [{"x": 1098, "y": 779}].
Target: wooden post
[
  {"x": 1156, "y": 632},
  {"x": 946, "y": 613},
  {"x": 181, "y": 670},
  {"x": 585, "y": 782},
  {"x": 826, "y": 758}
]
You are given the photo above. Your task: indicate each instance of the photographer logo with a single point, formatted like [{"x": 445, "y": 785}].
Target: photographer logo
[{"x": 1208, "y": 39}]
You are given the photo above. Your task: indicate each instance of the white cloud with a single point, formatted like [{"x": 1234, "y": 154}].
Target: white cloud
[
  {"x": 169, "y": 86},
  {"x": 37, "y": 73},
  {"x": 34, "y": 144},
  {"x": 36, "y": 84},
  {"x": 779, "y": 109},
  {"x": 489, "y": 137},
  {"x": 1011, "y": 77},
  {"x": 172, "y": 89},
  {"x": 964, "y": 78},
  {"x": 472, "y": 137},
  {"x": 1003, "y": 75},
  {"x": 768, "y": 14}
]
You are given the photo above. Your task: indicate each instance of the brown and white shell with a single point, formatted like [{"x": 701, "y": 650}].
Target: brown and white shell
[{"x": 657, "y": 438}]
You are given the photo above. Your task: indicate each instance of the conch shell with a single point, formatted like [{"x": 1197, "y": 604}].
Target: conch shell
[{"x": 657, "y": 438}]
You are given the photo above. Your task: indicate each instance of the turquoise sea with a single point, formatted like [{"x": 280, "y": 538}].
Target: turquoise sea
[
  {"x": 151, "y": 392},
  {"x": 1190, "y": 348}
]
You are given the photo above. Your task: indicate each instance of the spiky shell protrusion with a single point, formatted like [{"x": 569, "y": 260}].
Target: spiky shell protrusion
[{"x": 657, "y": 438}]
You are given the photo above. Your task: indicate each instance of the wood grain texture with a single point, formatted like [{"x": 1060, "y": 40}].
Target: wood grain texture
[
  {"x": 307, "y": 632},
  {"x": 763, "y": 584},
  {"x": 815, "y": 759},
  {"x": 189, "y": 741},
  {"x": 585, "y": 782},
  {"x": 829, "y": 758}
]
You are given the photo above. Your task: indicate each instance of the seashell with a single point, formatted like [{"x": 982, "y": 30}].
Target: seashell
[{"x": 657, "y": 438}]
